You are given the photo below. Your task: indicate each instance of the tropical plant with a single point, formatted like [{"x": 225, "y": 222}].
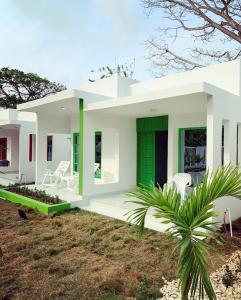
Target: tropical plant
[
  {"x": 121, "y": 70},
  {"x": 191, "y": 223}
]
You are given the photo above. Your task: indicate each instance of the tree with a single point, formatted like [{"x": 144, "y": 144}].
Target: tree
[
  {"x": 191, "y": 223},
  {"x": 122, "y": 70},
  {"x": 214, "y": 27},
  {"x": 17, "y": 87}
]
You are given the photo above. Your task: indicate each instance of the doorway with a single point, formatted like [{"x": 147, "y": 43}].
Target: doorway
[
  {"x": 161, "y": 138},
  {"x": 152, "y": 148}
]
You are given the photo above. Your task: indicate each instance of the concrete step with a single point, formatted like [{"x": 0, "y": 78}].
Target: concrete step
[{"x": 119, "y": 213}]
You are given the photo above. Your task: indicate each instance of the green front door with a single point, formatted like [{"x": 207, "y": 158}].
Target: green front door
[
  {"x": 145, "y": 158},
  {"x": 146, "y": 147}
]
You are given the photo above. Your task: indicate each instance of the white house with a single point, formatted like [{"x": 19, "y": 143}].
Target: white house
[
  {"x": 148, "y": 130},
  {"x": 18, "y": 147}
]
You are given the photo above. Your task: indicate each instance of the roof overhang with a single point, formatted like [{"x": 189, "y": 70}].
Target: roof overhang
[
  {"x": 64, "y": 103},
  {"x": 162, "y": 94},
  {"x": 184, "y": 99},
  {"x": 9, "y": 125}
]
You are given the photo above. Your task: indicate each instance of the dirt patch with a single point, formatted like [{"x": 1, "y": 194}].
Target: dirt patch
[{"x": 79, "y": 255}]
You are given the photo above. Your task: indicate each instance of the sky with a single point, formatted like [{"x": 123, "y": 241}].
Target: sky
[{"x": 64, "y": 40}]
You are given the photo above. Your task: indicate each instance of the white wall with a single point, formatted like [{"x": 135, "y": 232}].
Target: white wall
[
  {"x": 12, "y": 136},
  {"x": 47, "y": 123},
  {"x": 26, "y": 167},
  {"x": 62, "y": 144},
  {"x": 225, "y": 109},
  {"x": 74, "y": 127},
  {"x": 225, "y": 75},
  {"x": 115, "y": 131},
  {"x": 114, "y": 86}
]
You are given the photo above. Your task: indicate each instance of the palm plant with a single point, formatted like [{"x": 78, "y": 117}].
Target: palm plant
[{"x": 190, "y": 223}]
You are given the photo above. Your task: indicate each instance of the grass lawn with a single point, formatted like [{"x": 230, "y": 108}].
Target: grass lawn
[{"x": 79, "y": 255}]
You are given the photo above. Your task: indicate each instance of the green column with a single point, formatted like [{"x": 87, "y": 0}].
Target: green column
[{"x": 81, "y": 144}]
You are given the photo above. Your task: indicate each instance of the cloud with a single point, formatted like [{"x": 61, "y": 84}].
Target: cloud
[
  {"x": 64, "y": 39},
  {"x": 55, "y": 14},
  {"x": 120, "y": 12}
]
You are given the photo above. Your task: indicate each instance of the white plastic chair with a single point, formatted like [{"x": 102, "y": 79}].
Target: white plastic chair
[
  {"x": 96, "y": 167},
  {"x": 181, "y": 181},
  {"x": 71, "y": 181},
  {"x": 56, "y": 176}
]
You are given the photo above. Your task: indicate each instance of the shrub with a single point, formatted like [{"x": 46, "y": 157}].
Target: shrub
[
  {"x": 34, "y": 193},
  {"x": 228, "y": 277}
]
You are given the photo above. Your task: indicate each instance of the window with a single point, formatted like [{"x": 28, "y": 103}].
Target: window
[
  {"x": 32, "y": 147},
  {"x": 76, "y": 152},
  {"x": 49, "y": 148},
  {"x": 192, "y": 158},
  {"x": 3, "y": 148},
  {"x": 30, "y": 155},
  {"x": 98, "y": 153}
]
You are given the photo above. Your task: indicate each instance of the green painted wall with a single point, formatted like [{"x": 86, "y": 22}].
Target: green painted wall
[
  {"x": 152, "y": 124},
  {"x": 146, "y": 128},
  {"x": 25, "y": 201},
  {"x": 81, "y": 144}
]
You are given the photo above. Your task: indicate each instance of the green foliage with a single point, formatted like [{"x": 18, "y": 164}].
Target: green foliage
[
  {"x": 17, "y": 87},
  {"x": 228, "y": 277},
  {"x": 190, "y": 224},
  {"x": 239, "y": 265},
  {"x": 143, "y": 293},
  {"x": 122, "y": 70},
  {"x": 34, "y": 193}
]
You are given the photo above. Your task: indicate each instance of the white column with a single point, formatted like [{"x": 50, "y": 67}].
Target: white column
[
  {"x": 172, "y": 158},
  {"x": 214, "y": 136},
  {"x": 230, "y": 142},
  {"x": 89, "y": 156},
  {"x": 41, "y": 149}
]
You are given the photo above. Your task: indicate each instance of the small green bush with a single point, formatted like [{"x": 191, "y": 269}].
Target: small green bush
[{"x": 34, "y": 193}]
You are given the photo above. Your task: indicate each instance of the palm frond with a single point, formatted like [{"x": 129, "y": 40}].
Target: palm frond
[{"x": 190, "y": 223}]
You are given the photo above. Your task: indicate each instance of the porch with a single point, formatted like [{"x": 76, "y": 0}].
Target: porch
[
  {"x": 116, "y": 206},
  {"x": 187, "y": 107}
]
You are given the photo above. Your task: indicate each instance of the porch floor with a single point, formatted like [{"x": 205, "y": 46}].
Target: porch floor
[
  {"x": 7, "y": 178},
  {"x": 115, "y": 206}
]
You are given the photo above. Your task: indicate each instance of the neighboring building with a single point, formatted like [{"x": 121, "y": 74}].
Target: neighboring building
[
  {"x": 18, "y": 147},
  {"x": 148, "y": 131}
]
